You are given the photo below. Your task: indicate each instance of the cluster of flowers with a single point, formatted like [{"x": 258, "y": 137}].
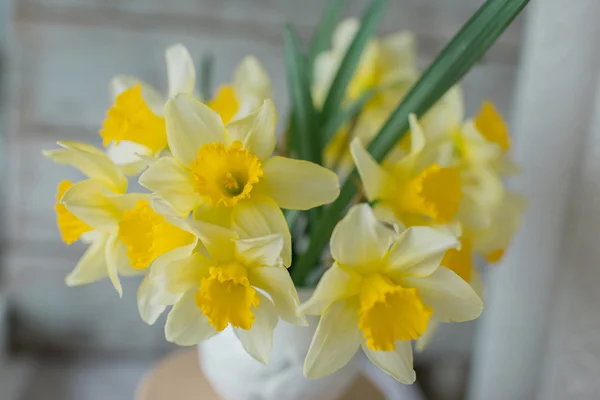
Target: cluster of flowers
[{"x": 212, "y": 243}]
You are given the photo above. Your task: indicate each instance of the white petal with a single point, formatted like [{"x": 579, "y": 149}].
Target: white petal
[
  {"x": 419, "y": 250},
  {"x": 335, "y": 342},
  {"x": 186, "y": 325},
  {"x": 261, "y": 251},
  {"x": 259, "y": 217},
  {"x": 376, "y": 181},
  {"x": 89, "y": 201},
  {"x": 335, "y": 284},
  {"x": 151, "y": 96},
  {"x": 256, "y": 131},
  {"x": 181, "y": 72},
  {"x": 251, "y": 81},
  {"x": 147, "y": 299},
  {"x": 92, "y": 162},
  {"x": 168, "y": 179},
  {"x": 398, "y": 364},
  {"x": 276, "y": 282},
  {"x": 191, "y": 124},
  {"x": 127, "y": 156},
  {"x": 359, "y": 239},
  {"x": 92, "y": 265},
  {"x": 451, "y": 298},
  {"x": 259, "y": 339},
  {"x": 298, "y": 184},
  {"x": 344, "y": 34},
  {"x": 115, "y": 255}
]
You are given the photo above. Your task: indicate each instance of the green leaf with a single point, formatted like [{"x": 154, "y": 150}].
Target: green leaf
[
  {"x": 205, "y": 76},
  {"x": 305, "y": 116},
  {"x": 368, "y": 24},
  {"x": 322, "y": 38},
  {"x": 463, "y": 51},
  {"x": 335, "y": 123}
]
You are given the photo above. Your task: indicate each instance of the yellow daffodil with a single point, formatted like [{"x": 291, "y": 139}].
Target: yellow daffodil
[
  {"x": 216, "y": 168},
  {"x": 380, "y": 294},
  {"x": 228, "y": 284},
  {"x": 414, "y": 190},
  {"x": 135, "y": 128}
]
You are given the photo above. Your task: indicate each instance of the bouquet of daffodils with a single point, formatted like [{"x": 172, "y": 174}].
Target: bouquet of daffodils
[{"x": 233, "y": 222}]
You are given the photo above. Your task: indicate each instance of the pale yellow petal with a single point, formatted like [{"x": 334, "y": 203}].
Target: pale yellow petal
[
  {"x": 115, "y": 255},
  {"x": 258, "y": 341},
  {"x": 162, "y": 279},
  {"x": 359, "y": 239},
  {"x": 191, "y": 124},
  {"x": 277, "y": 283},
  {"x": 419, "y": 251},
  {"x": 148, "y": 306},
  {"x": 343, "y": 34},
  {"x": 398, "y": 363},
  {"x": 129, "y": 157},
  {"x": 169, "y": 180},
  {"x": 446, "y": 116},
  {"x": 260, "y": 216},
  {"x": 377, "y": 182},
  {"x": 89, "y": 201},
  {"x": 186, "y": 325},
  {"x": 261, "y": 251},
  {"x": 92, "y": 265},
  {"x": 251, "y": 83},
  {"x": 219, "y": 241},
  {"x": 256, "y": 131},
  {"x": 451, "y": 298},
  {"x": 335, "y": 342},
  {"x": 298, "y": 184},
  {"x": 181, "y": 72},
  {"x": 151, "y": 96},
  {"x": 92, "y": 162},
  {"x": 335, "y": 284}
]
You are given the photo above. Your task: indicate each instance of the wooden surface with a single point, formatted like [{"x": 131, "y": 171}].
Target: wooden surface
[{"x": 178, "y": 376}]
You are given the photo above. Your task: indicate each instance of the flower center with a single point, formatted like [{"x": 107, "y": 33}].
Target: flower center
[
  {"x": 434, "y": 193},
  {"x": 389, "y": 312},
  {"x": 225, "y": 103},
  {"x": 225, "y": 175},
  {"x": 226, "y": 297},
  {"x": 147, "y": 235},
  {"x": 460, "y": 261},
  {"x": 71, "y": 228},
  {"x": 131, "y": 119},
  {"x": 490, "y": 124}
]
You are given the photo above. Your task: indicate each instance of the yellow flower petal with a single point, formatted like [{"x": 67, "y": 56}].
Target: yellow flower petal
[
  {"x": 89, "y": 201},
  {"x": 451, "y": 298},
  {"x": 298, "y": 184},
  {"x": 191, "y": 124},
  {"x": 359, "y": 240},
  {"x": 219, "y": 241},
  {"x": 92, "y": 265},
  {"x": 256, "y": 131},
  {"x": 116, "y": 257},
  {"x": 251, "y": 84},
  {"x": 258, "y": 340},
  {"x": 226, "y": 297},
  {"x": 151, "y": 96},
  {"x": 277, "y": 283},
  {"x": 491, "y": 125},
  {"x": 92, "y": 162},
  {"x": 389, "y": 313},
  {"x": 71, "y": 228},
  {"x": 186, "y": 325},
  {"x": 260, "y": 216},
  {"x": 460, "y": 260},
  {"x": 261, "y": 251},
  {"x": 335, "y": 342},
  {"x": 225, "y": 103},
  {"x": 398, "y": 363},
  {"x": 148, "y": 306},
  {"x": 419, "y": 251},
  {"x": 169, "y": 180},
  {"x": 131, "y": 119},
  {"x": 183, "y": 274},
  {"x": 181, "y": 72},
  {"x": 335, "y": 284},
  {"x": 377, "y": 182}
]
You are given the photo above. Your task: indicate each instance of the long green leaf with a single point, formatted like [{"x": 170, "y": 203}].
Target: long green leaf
[
  {"x": 322, "y": 37},
  {"x": 337, "y": 91},
  {"x": 463, "y": 51},
  {"x": 305, "y": 127}
]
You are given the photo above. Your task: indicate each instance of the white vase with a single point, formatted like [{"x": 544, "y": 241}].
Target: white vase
[{"x": 235, "y": 375}]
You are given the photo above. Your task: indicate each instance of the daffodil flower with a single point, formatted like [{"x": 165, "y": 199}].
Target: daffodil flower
[
  {"x": 134, "y": 129},
  {"x": 216, "y": 168},
  {"x": 228, "y": 284},
  {"x": 380, "y": 294},
  {"x": 414, "y": 190}
]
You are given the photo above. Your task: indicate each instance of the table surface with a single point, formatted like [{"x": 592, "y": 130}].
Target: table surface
[{"x": 178, "y": 376}]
